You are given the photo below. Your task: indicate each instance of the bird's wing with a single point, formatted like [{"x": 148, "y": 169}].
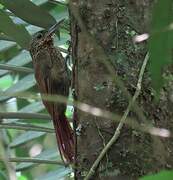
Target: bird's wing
[{"x": 42, "y": 66}]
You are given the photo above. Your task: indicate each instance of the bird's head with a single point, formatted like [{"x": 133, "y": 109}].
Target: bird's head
[{"x": 43, "y": 38}]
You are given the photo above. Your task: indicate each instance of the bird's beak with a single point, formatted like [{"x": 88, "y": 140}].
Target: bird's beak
[{"x": 54, "y": 28}]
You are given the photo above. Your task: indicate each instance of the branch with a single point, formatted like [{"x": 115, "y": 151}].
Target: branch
[
  {"x": 34, "y": 160},
  {"x": 22, "y": 115},
  {"x": 55, "y": 98},
  {"x": 5, "y": 160},
  {"x": 98, "y": 112},
  {"x": 121, "y": 123},
  {"x": 26, "y": 127},
  {"x": 15, "y": 68}
]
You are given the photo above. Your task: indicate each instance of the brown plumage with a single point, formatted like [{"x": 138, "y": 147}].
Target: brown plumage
[{"x": 51, "y": 76}]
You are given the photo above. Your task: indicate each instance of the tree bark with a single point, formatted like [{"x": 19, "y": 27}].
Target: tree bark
[{"x": 102, "y": 42}]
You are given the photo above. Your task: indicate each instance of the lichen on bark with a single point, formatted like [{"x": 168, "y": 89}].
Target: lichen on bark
[{"x": 112, "y": 25}]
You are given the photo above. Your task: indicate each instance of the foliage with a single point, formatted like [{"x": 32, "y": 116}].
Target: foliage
[
  {"x": 160, "y": 42},
  {"x": 19, "y": 20},
  {"x": 166, "y": 175}
]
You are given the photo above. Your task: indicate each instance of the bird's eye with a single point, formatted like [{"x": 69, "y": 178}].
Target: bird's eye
[{"x": 39, "y": 36}]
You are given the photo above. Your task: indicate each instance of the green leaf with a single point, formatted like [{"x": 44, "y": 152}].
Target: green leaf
[
  {"x": 39, "y": 2},
  {"x": 22, "y": 177},
  {"x": 33, "y": 107},
  {"x": 69, "y": 111},
  {"x": 5, "y": 82},
  {"x": 16, "y": 32},
  {"x": 54, "y": 175},
  {"x": 17, "y": 15},
  {"x": 29, "y": 12},
  {"x": 64, "y": 37},
  {"x": 25, "y": 137},
  {"x": 22, "y": 85},
  {"x": 21, "y": 59},
  {"x": 3, "y": 176},
  {"x": 5, "y": 45},
  {"x": 33, "y": 29},
  {"x": 59, "y": 12},
  {"x": 49, "y": 154},
  {"x": 160, "y": 43},
  {"x": 1, "y": 6},
  {"x": 163, "y": 175},
  {"x": 5, "y": 37}
]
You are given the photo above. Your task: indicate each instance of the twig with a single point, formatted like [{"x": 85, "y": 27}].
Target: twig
[
  {"x": 103, "y": 139},
  {"x": 121, "y": 123},
  {"x": 54, "y": 98},
  {"x": 81, "y": 106},
  {"x": 16, "y": 68},
  {"x": 34, "y": 160},
  {"x": 26, "y": 127},
  {"x": 21, "y": 115},
  {"x": 4, "y": 158}
]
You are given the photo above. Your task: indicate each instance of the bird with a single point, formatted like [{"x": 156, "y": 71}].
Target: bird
[{"x": 51, "y": 75}]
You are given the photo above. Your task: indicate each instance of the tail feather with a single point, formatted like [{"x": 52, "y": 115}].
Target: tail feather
[{"x": 64, "y": 136}]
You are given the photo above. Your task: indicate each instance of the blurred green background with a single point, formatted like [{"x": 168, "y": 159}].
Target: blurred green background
[{"x": 23, "y": 139}]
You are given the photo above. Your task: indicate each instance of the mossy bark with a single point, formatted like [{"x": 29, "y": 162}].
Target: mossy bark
[{"x": 112, "y": 25}]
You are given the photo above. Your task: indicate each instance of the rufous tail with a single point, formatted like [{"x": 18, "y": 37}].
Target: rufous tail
[{"x": 64, "y": 136}]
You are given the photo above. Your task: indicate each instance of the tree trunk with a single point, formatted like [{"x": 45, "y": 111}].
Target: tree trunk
[{"x": 103, "y": 49}]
